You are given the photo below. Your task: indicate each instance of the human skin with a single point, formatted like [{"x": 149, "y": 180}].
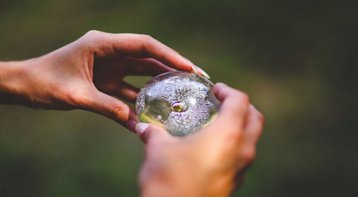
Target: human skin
[
  {"x": 210, "y": 162},
  {"x": 88, "y": 74}
]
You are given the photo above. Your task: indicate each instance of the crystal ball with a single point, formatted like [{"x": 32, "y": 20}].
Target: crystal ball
[{"x": 178, "y": 101}]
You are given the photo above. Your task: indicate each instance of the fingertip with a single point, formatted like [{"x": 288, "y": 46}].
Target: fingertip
[
  {"x": 141, "y": 127},
  {"x": 218, "y": 90},
  {"x": 219, "y": 85},
  {"x": 149, "y": 132},
  {"x": 131, "y": 125}
]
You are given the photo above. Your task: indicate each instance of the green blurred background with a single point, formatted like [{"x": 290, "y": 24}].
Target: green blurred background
[{"x": 295, "y": 58}]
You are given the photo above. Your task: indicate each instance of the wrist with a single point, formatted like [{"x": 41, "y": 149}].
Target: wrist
[
  {"x": 186, "y": 184},
  {"x": 12, "y": 76},
  {"x": 164, "y": 188}
]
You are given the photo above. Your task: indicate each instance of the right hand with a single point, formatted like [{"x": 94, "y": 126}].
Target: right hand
[{"x": 207, "y": 163}]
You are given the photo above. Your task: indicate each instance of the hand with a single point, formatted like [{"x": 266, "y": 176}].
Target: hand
[
  {"x": 208, "y": 162},
  {"x": 88, "y": 74}
]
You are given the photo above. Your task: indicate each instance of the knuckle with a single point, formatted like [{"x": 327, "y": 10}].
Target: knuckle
[
  {"x": 240, "y": 96},
  {"x": 243, "y": 97},
  {"x": 239, "y": 101},
  {"x": 259, "y": 123},
  {"x": 92, "y": 36},
  {"x": 260, "y": 117},
  {"x": 93, "y": 33},
  {"x": 248, "y": 156},
  {"x": 232, "y": 132},
  {"x": 116, "y": 113},
  {"x": 148, "y": 41},
  {"x": 146, "y": 38},
  {"x": 234, "y": 135}
]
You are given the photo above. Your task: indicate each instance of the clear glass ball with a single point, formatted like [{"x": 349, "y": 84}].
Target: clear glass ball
[{"x": 178, "y": 101}]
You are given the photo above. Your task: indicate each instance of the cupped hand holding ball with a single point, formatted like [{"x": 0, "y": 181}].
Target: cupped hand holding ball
[
  {"x": 210, "y": 162},
  {"x": 88, "y": 74}
]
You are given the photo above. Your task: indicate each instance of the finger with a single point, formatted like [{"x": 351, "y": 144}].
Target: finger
[
  {"x": 111, "y": 107},
  {"x": 126, "y": 91},
  {"x": 136, "y": 45},
  {"x": 251, "y": 134},
  {"x": 234, "y": 107},
  {"x": 253, "y": 126},
  {"x": 120, "y": 89},
  {"x": 146, "y": 66},
  {"x": 150, "y": 133}
]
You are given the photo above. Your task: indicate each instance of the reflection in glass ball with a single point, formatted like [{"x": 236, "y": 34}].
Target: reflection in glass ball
[{"x": 178, "y": 101}]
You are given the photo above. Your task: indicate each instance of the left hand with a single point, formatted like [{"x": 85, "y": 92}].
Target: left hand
[{"x": 88, "y": 74}]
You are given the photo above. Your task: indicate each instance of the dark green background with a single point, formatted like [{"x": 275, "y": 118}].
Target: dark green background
[{"x": 295, "y": 58}]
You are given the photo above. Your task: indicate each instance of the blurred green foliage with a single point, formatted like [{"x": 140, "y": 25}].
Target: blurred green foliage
[{"x": 295, "y": 58}]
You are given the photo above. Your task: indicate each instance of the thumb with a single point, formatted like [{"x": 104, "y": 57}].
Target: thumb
[
  {"x": 111, "y": 107},
  {"x": 149, "y": 132}
]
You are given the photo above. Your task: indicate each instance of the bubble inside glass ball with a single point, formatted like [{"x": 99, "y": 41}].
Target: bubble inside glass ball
[{"x": 178, "y": 101}]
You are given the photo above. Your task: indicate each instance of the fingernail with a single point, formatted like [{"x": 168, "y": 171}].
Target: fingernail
[
  {"x": 199, "y": 71},
  {"x": 141, "y": 127},
  {"x": 131, "y": 124}
]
